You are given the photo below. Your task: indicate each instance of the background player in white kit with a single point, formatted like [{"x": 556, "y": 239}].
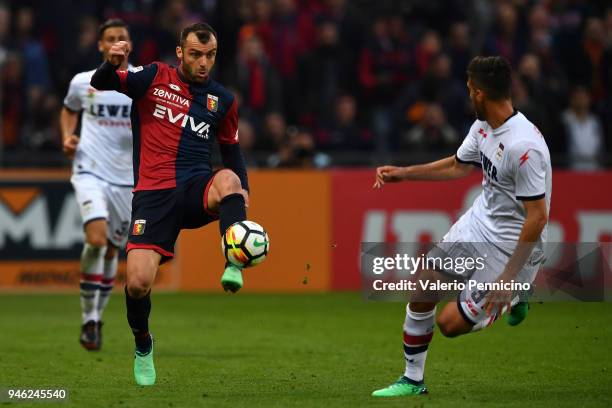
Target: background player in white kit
[
  {"x": 102, "y": 178},
  {"x": 508, "y": 219}
]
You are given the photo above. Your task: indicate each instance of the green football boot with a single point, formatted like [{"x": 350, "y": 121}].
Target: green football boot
[
  {"x": 402, "y": 387},
  {"x": 517, "y": 314},
  {"x": 232, "y": 278},
  {"x": 144, "y": 369}
]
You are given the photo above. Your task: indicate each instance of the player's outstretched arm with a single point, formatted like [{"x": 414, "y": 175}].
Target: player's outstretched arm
[
  {"x": 106, "y": 78},
  {"x": 444, "y": 169}
]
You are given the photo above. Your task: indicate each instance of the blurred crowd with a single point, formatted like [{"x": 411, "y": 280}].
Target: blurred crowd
[{"x": 331, "y": 82}]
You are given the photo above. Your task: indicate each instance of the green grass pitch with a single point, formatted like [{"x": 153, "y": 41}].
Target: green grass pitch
[{"x": 303, "y": 350}]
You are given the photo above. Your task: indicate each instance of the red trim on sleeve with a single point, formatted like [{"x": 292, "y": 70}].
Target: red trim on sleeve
[{"x": 228, "y": 129}]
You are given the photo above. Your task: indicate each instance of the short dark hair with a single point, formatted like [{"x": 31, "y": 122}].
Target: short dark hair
[
  {"x": 493, "y": 75},
  {"x": 113, "y": 22},
  {"x": 202, "y": 30}
]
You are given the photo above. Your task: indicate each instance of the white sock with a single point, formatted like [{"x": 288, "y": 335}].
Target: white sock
[
  {"x": 418, "y": 331},
  {"x": 92, "y": 259},
  {"x": 106, "y": 286}
]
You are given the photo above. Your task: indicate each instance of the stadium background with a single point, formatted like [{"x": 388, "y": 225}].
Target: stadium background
[
  {"x": 325, "y": 87},
  {"x": 328, "y": 89}
]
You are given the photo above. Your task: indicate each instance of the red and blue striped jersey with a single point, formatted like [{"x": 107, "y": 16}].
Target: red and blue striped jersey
[{"x": 174, "y": 123}]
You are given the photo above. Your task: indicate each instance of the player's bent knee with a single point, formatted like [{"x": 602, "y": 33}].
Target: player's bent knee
[
  {"x": 139, "y": 273},
  {"x": 227, "y": 182},
  {"x": 138, "y": 286},
  {"x": 451, "y": 326},
  {"x": 447, "y": 329},
  {"x": 95, "y": 233},
  {"x": 97, "y": 240},
  {"x": 141, "y": 269},
  {"x": 445, "y": 323}
]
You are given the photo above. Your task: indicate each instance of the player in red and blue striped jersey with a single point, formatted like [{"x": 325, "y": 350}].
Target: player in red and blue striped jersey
[{"x": 177, "y": 113}]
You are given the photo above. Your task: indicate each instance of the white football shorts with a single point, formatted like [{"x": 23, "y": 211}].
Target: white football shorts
[
  {"x": 99, "y": 199},
  {"x": 462, "y": 243}
]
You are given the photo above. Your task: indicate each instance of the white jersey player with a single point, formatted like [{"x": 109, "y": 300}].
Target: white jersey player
[
  {"x": 516, "y": 167},
  {"x": 505, "y": 227},
  {"x": 103, "y": 179}
]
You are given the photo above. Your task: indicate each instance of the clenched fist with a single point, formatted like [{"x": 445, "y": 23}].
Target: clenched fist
[{"x": 118, "y": 53}]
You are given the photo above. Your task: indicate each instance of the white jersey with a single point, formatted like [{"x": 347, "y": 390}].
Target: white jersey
[
  {"x": 516, "y": 167},
  {"x": 105, "y": 147}
]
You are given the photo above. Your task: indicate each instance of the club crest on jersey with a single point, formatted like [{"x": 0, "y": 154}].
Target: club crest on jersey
[
  {"x": 139, "y": 227},
  {"x": 500, "y": 151},
  {"x": 212, "y": 103}
]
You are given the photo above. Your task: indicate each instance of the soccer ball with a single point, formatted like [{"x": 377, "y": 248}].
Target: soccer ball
[{"x": 245, "y": 243}]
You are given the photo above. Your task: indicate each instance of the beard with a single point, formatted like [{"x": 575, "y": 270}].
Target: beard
[
  {"x": 479, "y": 110},
  {"x": 191, "y": 74}
]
